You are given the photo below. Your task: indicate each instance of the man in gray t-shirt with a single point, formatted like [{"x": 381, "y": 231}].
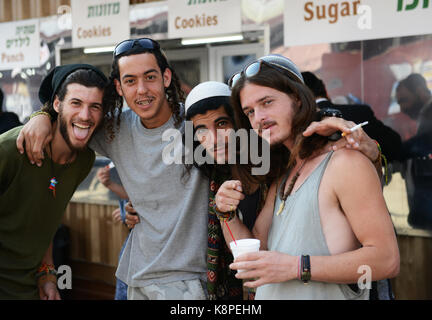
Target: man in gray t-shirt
[
  {"x": 167, "y": 249},
  {"x": 169, "y": 244}
]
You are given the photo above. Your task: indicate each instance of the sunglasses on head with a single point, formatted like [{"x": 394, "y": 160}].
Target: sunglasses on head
[
  {"x": 254, "y": 68},
  {"x": 126, "y": 45}
]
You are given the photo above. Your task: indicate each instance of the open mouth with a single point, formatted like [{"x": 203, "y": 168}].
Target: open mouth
[
  {"x": 144, "y": 102},
  {"x": 81, "y": 131}
]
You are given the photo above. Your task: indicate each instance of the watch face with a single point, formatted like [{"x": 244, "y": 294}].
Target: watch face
[{"x": 329, "y": 112}]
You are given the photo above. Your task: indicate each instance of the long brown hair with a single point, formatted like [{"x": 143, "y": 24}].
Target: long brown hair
[{"x": 282, "y": 159}]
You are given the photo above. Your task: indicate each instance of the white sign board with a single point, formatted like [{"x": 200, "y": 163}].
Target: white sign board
[
  {"x": 99, "y": 22},
  {"x": 200, "y": 18},
  {"x": 327, "y": 21},
  {"x": 19, "y": 44}
]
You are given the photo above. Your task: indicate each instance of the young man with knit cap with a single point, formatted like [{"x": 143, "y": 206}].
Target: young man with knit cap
[{"x": 32, "y": 199}]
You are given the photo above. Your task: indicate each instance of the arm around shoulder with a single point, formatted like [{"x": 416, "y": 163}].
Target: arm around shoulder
[{"x": 34, "y": 137}]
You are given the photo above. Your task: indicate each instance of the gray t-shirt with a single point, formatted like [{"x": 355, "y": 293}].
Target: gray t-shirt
[{"x": 170, "y": 242}]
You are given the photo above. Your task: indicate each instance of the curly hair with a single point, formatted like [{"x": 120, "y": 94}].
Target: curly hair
[
  {"x": 90, "y": 79},
  {"x": 174, "y": 93}
]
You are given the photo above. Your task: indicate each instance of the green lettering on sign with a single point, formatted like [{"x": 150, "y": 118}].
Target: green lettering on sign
[
  {"x": 25, "y": 29},
  {"x": 102, "y": 10},
  {"x": 192, "y": 2},
  {"x": 411, "y": 6},
  {"x": 18, "y": 42}
]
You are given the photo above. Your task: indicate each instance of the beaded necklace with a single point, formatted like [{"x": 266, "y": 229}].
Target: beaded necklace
[{"x": 284, "y": 195}]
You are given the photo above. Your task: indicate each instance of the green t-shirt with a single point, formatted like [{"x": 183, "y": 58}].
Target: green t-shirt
[{"x": 29, "y": 213}]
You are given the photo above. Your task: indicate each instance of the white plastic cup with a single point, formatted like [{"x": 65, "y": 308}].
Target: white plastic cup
[{"x": 244, "y": 246}]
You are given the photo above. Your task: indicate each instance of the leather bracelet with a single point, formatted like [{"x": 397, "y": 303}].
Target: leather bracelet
[{"x": 305, "y": 269}]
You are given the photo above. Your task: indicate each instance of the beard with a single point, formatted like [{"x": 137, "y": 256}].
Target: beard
[
  {"x": 64, "y": 132},
  {"x": 275, "y": 143}
]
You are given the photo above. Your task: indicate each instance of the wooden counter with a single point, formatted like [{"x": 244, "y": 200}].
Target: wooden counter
[
  {"x": 96, "y": 242},
  {"x": 415, "y": 277}
]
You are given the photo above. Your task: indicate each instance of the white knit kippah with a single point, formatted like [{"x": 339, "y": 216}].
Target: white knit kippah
[{"x": 206, "y": 90}]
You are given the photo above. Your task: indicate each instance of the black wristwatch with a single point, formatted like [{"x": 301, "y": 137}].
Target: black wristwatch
[{"x": 330, "y": 112}]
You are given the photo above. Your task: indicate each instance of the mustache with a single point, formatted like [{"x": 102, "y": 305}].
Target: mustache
[
  {"x": 81, "y": 122},
  {"x": 217, "y": 147},
  {"x": 265, "y": 124}
]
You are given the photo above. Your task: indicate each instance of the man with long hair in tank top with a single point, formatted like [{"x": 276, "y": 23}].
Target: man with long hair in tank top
[{"x": 325, "y": 222}]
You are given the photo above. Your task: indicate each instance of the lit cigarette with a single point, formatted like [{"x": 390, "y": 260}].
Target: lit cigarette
[
  {"x": 355, "y": 128},
  {"x": 111, "y": 165}
]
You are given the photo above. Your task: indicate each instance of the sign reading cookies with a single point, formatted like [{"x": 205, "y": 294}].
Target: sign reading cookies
[
  {"x": 99, "y": 22},
  {"x": 19, "y": 44},
  {"x": 201, "y": 18},
  {"x": 326, "y": 21}
]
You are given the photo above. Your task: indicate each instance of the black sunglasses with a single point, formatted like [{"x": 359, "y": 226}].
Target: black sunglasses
[
  {"x": 126, "y": 45},
  {"x": 254, "y": 68}
]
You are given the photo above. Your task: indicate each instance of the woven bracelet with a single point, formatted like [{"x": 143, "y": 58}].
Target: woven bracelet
[
  {"x": 225, "y": 216},
  {"x": 37, "y": 113},
  {"x": 46, "y": 269},
  {"x": 46, "y": 278},
  {"x": 382, "y": 156}
]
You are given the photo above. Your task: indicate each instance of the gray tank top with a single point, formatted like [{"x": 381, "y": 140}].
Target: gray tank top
[{"x": 296, "y": 231}]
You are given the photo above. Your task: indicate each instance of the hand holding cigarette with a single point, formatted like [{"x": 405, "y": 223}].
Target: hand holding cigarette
[{"x": 355, "y": 128}]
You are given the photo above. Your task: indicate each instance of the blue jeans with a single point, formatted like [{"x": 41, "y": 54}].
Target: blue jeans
[{"x": 121, "y": 287}]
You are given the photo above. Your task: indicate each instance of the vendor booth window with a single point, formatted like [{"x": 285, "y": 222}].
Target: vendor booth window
[{"x": 394, "y": 78}]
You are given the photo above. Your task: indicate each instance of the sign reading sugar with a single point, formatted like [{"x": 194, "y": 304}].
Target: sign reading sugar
[
  {"x": 19, "y": 44},
  {"x": 200, "y": 18},
  {"x": 324, "y": 21},
  {"x": 99, "y": 22}
]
